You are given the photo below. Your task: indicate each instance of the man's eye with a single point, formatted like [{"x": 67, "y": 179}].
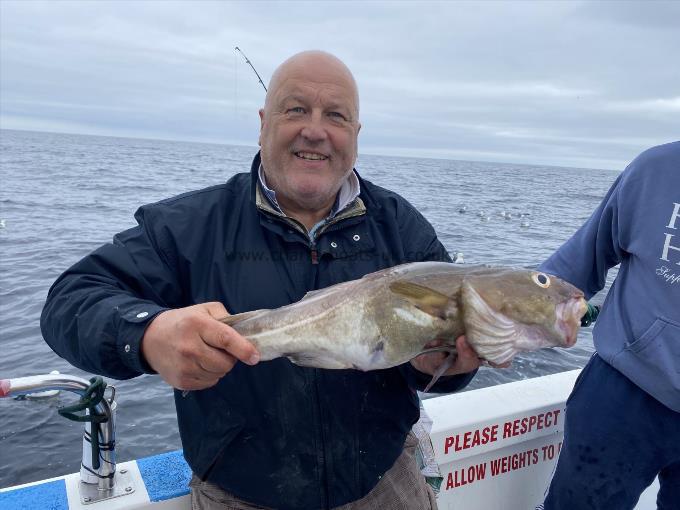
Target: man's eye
[
  {"x": 337, "y": 115},
  {"x": 296, "y": 109}
]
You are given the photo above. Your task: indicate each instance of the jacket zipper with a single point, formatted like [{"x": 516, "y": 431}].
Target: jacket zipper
[
  {"x": 314, "y": 254},
  {"x": 312, "y": 242},
  {"x": 321, "y": 456}
]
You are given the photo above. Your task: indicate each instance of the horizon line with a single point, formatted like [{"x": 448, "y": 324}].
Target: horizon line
[{"x": 244, "y": 145}]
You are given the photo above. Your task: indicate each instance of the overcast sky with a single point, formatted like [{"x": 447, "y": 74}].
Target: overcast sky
[{"x": 571, "y": 83}]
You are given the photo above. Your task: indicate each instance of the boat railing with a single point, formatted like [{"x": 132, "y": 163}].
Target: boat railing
[{"x": 98, "y": 477}]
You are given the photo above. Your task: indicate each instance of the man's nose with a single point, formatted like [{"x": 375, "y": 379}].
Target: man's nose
[{"x": 314, "y": 129}]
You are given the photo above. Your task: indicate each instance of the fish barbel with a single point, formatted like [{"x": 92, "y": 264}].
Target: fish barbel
[{"x": 388, "y": 317}]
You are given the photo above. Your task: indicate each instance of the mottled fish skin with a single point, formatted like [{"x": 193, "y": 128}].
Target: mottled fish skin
[{"x": 386, "y": 318}]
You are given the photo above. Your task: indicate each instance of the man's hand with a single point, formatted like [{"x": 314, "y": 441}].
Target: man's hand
[
  {"x": 191, "y": 350},
  {"x": 466, "y": 360}
]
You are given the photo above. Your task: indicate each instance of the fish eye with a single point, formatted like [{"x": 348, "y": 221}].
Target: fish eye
[{"x": 541, "y": 279}]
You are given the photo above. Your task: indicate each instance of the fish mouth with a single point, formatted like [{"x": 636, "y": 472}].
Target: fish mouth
[{"x": 568, "y": 321}]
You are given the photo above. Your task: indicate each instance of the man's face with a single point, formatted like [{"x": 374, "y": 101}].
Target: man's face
[{"x": 308, "y": 136}]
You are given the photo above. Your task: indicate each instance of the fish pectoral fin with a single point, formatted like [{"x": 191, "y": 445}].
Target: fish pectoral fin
[
  {"x": 491, "y": 334},
  {"x": 428, "y": 300}
]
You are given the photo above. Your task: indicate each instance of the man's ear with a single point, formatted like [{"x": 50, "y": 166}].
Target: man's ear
[
  {"x": 357, "y": 144},
  {"x": 259, "y": 139}
]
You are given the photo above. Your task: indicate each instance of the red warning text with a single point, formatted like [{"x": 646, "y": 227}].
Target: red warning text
[
  {"x": 471, "y": 438},
  {"x": 499, "y": 466},
  {"x": 514, "y": 462},
  {"x": 491, "y": 433},
  {"x": 464, "y": 476},
  {"x": 528, "y": 423}
]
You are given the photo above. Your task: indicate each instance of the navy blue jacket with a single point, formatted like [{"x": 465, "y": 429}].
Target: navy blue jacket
[{"x": 274, "y": 434}]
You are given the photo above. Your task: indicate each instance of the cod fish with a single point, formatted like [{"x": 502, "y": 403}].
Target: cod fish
[{"x": 389, "y": 317}]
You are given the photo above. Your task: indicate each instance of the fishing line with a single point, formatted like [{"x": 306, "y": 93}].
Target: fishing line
[{"x": 235, "y": 87}]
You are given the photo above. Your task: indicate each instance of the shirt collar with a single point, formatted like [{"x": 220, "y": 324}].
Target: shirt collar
[{"x": 349, "y": 191}]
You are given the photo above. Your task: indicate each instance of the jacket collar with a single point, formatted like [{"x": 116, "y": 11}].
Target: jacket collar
[{"x": 353, "y": 208}]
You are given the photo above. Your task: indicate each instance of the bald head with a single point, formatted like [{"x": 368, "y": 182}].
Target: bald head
[{"x": 322, "y": 66}]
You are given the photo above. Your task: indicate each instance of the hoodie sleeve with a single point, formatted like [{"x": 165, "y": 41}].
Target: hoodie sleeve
[
  {"x": 96, "y": 313},
  {"x": 584, "y": 259}
]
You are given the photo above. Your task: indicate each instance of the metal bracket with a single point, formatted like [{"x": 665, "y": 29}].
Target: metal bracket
[{"x": 122, "y": 486}]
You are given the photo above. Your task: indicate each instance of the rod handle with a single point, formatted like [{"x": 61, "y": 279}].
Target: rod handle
[{"x": 5, "y": 387}]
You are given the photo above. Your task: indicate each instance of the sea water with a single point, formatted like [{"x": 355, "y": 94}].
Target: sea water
[{"x": 62, "y": 196}]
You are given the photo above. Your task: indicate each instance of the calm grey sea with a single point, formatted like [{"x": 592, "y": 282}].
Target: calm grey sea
[{"x": 61, "y": 196}]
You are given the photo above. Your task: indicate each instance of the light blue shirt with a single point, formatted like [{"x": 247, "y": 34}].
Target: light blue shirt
[{"x": 349, "y": 191}]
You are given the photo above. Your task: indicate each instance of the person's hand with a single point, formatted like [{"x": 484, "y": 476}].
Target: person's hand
[
  {"x": 466, "y": 360},
  {"x": 191, "y": 350}
]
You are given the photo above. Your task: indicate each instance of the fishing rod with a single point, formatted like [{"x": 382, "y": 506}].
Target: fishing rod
[{"x": 252, "y": 66}]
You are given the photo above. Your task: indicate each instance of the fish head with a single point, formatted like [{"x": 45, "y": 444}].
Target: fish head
[{"x": 513, "y": 310}]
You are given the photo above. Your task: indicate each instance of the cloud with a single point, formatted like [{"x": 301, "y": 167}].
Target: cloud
[
  {"x": 669, "y": 106},
  {"x": 586, "y": 83}
]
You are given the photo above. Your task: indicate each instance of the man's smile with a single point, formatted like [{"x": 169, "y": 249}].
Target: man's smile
[{"x": 313, "y": 156}]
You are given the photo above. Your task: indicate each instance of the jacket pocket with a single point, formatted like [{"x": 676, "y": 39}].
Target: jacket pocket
[
  {"x": 660, "y": 344},
  {"x": 653, "y": 362},
  {"x": 647, "y": 337},
  {"x": 214, "y": 450},
  {"x": 208, "y": 426}
]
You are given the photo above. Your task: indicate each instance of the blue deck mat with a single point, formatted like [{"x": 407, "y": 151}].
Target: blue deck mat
[
  {"x": 166, "y": 476},
  {"x": 46, "y": 496}
]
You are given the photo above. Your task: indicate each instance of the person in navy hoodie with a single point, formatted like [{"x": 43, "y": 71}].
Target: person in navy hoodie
[{"x": 622, "y": 424}]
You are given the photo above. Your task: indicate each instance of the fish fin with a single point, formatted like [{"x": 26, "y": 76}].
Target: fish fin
[
  {"x": 491, "y": 334},
  {"x": 451, "y": 349},
  {"x": 328, "y": 290},
  {"x": 448, "y": 363},
  {"x": 230, "y": 320},
  {"x": 305, "y": 359},
  {"x": 312, "y": 293},
  {"x": 428, "y": 300}
]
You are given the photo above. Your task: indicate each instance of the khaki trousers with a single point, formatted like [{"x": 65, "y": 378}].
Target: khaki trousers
[{"x": 403, "y": 487}]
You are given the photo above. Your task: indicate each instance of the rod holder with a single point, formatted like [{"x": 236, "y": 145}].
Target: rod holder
[{"x": 98, "y": 483}]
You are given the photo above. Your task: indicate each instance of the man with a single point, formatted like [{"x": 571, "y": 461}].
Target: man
[
  {"x": 267, "y": 434},
  {"x": 623, "y": 417}
]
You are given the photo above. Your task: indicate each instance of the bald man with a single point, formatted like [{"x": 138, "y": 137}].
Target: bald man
[{"x": 265, "y": 434}]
